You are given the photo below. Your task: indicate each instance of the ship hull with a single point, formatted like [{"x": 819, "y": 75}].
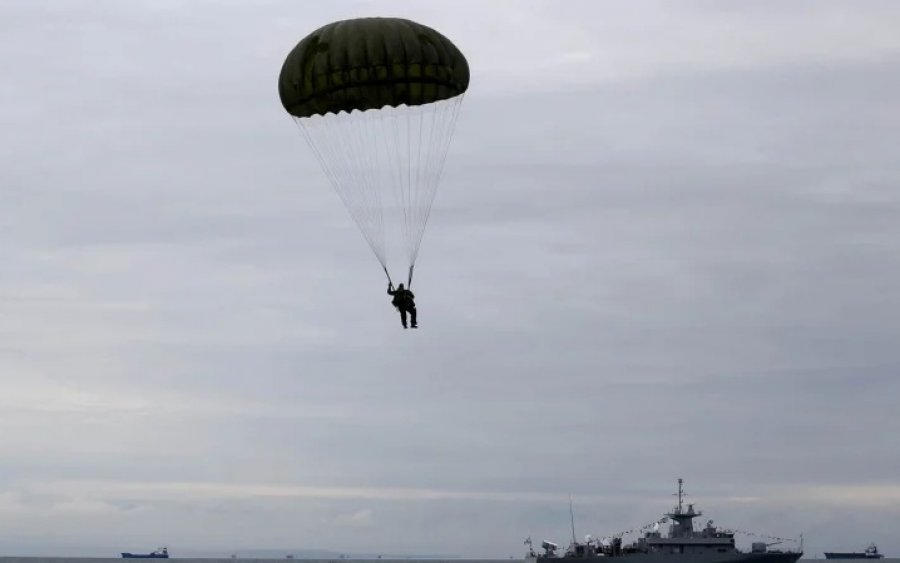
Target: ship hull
[
  {"x": 144, "y": 556},
  {"x": 682, "y": 558},
  {"x": 830, "y": 555}
]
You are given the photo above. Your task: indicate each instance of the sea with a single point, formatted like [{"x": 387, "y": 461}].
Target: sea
[
  {"x": 240, "y": 560},
  {"x": 243, "y": 560},
  {"x": 299, "y": 560}
]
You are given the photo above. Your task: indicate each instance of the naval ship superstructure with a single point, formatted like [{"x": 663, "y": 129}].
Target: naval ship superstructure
[{"x": 683, "y": 544}]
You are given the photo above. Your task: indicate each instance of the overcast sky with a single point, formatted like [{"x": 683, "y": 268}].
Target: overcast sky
[{"x": 665, "y": 245}]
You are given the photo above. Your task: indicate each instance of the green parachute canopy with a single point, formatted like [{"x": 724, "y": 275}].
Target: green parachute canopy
[
  {"x": 377, "y": 101},
  {"x": 369, "y": 63}
]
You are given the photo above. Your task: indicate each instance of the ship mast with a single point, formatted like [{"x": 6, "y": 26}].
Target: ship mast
[
  {"x": 572, "y": 519},
  {"x": 682, "y": 520},
  {"x": 680, "y": 493}
]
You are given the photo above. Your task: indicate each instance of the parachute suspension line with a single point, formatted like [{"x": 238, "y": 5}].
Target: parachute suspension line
[
  {"x": 424, "y": 179},
  {"x": 390, "y": 283},
  {"x": 409, "y": 181},
  {"x": 400, "y": 187},
  {"x": 353, "y": 151},
  {"x": 334, "y": 162},
  {"x": 368, "y": 154},
  {"x": 322, "y": 151},
  {"x": 409, "y": 279},
  {"x": 384, "y": 142},
  {"x": 427, "y": 180},
  {"x": 371, "y": 141},
  {"x": 337, "y": 147},
  {"x": 411, "y": 253},
  {"x": 354, "y": 197},
  {"x": 430, "y": 185},
  {"x": 439, "y": 119},
  {"x": 411, "y": 120},
  {"x": 444, "y": 120},
  {"x": 361, "y": 162}
]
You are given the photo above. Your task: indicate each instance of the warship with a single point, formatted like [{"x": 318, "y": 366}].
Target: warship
[
  {"x": 683, "y": 544},
  {"x": 871, "y": 552}
]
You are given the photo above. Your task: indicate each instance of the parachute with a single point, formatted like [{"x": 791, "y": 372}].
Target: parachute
[{"x": 377, "y": 100}]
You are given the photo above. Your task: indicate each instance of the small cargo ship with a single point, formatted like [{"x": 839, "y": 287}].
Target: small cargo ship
[
  {"x": 871, "y": 552},
  {"x": 161, "y": 553}
]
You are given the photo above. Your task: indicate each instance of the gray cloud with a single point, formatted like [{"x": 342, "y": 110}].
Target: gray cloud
[{"x": 663, "y": 247}]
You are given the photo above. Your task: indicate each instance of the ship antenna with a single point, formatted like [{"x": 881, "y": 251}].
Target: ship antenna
[
  {"x": 572, "y": 518},
  {"x": 680, "y": 494}
]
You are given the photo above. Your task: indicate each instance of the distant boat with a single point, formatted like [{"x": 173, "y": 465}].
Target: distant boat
[
  {"x": 871, "y": 552},
  {"x": 161, "y": 553}
]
